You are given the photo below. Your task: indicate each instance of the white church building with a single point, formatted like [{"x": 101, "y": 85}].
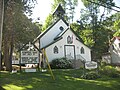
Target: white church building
[{"x": 59, "y": 40}]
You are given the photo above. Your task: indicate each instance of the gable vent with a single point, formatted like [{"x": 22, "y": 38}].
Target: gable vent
[{"x": 61, "y": 28}]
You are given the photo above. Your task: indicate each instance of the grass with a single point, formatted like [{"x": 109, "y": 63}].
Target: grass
[{"x": 64, "y": 80}]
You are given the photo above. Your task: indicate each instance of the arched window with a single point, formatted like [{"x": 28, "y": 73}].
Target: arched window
[
  {"x": 113, "y": 47},
  {"x": 82, "y": 50},
  {"x": 119, "y": 45},
  {"x": 55, "y": 50},
  {"x": 69, "y": 40}
]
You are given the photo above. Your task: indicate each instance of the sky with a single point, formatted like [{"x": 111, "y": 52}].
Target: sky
[{"x": 43, "y": 8}]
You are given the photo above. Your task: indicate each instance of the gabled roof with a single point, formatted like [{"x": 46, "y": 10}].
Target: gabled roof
[
  {"x": 80, "y": 39},
  {"x": 21, "y": 48},
  {"x": 117, "y": 38},
  {"x": 24, "y": 46},
  {"x": 52, "y": 42},
  {"x": 113, "y": 39},
  {"x": 43, "y": 33},
  {"x": 59, "y": 37},
  {"x": 60, "y": 34}
]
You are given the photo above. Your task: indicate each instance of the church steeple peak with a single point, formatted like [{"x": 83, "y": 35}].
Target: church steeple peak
[{"x": 59, "y": 12}]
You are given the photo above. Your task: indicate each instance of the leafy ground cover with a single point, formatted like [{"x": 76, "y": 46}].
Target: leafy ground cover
[{"x": 64, "y": 80}]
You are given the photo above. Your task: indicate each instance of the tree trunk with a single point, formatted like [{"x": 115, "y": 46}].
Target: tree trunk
[
  {"x": 0, "y": 33},
  {"x": 1, "y": 27},
  {"x": 8, "y": 36},
  {"x": 11, "y": 52},
  {"x": 6, "y": 53}
]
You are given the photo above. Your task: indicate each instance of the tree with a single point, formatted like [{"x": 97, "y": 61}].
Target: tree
[
  {"x": 68, "y": 6},
  {"x": 70, "y": 9},
  {"x": 116, "y": 24},
  {"x": 8, "y": 41},
  {"x": 92, "y": 18},
  {"x": 18, "y": 29},
  {"x": 1, "y": 28},
  {"x": 84, "y": 33},
  {"x": 48, "y": 22}
]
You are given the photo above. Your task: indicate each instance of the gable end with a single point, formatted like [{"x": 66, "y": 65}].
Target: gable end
[{"x": 42, "y": 34}]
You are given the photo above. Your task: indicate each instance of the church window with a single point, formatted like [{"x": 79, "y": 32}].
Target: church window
[
  {"x": 55, "y": 50},
  {"x": 119, "y": 45},
  {"x": 69, "y": 40},
  {"x": 82, "y": 50},
  {"x": 113, "y": 47}
]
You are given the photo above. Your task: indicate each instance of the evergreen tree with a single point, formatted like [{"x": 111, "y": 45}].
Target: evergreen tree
[{"x": 18, "y": 29}]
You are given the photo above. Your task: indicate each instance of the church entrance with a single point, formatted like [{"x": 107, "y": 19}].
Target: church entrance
[{"x": 69, "y": 51}]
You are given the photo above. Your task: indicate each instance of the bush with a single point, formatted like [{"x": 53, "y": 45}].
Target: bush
[
  {"x": 90, "y": 76},
  {"x": 110, "y": 71},
  {"x": 61, "y": 63}
]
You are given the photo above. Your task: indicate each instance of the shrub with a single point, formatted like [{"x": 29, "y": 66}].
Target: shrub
[
  {"x": 103, "y": 64},
  {"x": 90, "y": 76},
  {"x": 110, "y": 71},
  {"x": 61, "y": 63}
]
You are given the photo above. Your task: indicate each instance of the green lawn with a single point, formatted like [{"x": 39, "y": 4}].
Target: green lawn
[{"x": 65, "y": 80}]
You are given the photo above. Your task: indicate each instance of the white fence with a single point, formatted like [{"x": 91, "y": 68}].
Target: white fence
[{"x": 15, "y": 61}]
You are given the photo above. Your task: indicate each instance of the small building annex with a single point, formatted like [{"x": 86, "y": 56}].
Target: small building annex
[
  {"x": 113, "y": 55},
  {"x": 59, "y": 40}
]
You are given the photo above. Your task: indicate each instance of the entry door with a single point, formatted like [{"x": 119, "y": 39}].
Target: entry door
[{"x": 70, "y": 51}]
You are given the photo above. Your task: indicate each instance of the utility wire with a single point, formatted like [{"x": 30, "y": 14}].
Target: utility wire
[
  {"x": 106, "y": 6},
  {"x": 112, "y": 5}
]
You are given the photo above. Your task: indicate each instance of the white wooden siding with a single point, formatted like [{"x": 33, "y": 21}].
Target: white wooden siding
[
  {"x": 115, "y": 53},
  {"x": 52, "y": 33},
  {"x": 60, "y": 44}
]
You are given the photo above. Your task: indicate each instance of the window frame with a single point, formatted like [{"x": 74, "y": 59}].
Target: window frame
[
  {"x": 55, "y": 50},
  {"x": 82, "y": 50},
  {"x": 69, "y": 39}
]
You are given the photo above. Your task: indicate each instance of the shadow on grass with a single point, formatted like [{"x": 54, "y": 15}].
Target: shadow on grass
[
  {"x": 1, "y": 88},
  {"x": 65, "y": 80}
]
